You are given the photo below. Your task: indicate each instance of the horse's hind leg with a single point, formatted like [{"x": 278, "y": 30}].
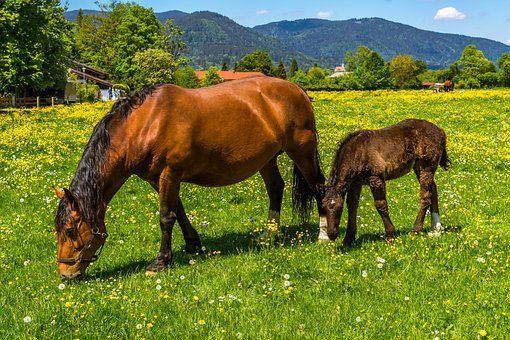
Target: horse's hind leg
[
  {"x": 425, "y": 174},
  {"x": 274, "y": 185},
  {"x": 378, "y": 187},
  {"x": 304, "y": 155}
]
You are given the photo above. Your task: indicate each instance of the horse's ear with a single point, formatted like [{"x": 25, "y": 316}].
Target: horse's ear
[
  {"x": 73, "y": 203},
  {"x": 59, "y": 192}
]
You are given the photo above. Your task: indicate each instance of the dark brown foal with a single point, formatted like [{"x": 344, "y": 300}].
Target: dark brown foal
[{"x": 371, "y": 157}]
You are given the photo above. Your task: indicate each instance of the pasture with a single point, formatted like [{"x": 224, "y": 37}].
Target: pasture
[{"x": 456, "y": 285}]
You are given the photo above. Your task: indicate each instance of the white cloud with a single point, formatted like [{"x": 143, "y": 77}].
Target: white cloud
[
  {"x": 508, "y": 42},
  {"x": 449, "y": 13},
  {"x": 324, "y": 14},
  {"x": 262, "y": 12}
]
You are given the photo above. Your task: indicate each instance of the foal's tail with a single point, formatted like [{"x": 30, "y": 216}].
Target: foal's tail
[
  {"x": 302, "y": 194},
  {"x": 445, "y": 162}
]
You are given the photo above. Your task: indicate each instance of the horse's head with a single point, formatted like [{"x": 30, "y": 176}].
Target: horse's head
[
  {"x": 78, "y": 240},
  {"x": 333, "y": 204}
]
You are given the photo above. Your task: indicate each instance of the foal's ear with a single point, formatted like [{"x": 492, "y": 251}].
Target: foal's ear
[
  {"x": 59, "y": 192},
  {"x": 321, "y": 188}
]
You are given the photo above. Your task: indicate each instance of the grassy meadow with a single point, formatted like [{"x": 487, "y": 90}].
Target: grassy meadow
[{"x": 452, "y": 286}]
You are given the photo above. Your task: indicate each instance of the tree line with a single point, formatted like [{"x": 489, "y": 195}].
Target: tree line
[{"x": 128, "y": 42}]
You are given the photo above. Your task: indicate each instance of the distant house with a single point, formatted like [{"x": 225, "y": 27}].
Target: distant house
[
  {"x": 340, "y": 71},
  {"x": 230, "y": 75},
  {"x": 85, "y": 73}
]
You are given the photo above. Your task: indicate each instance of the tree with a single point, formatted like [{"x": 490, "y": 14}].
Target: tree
[
  {"x": 111, "y": 39},
  {"x": 369, "y": 69},
  {"x": 300, "y": 78},
  {"x": 504, "y": 66},
  {"x": 224, "y": 67},
  {"x": 212, "y": 77},
  {"x": 403, "y": 70},
  {"x": 474, "y": 63},
  {"x": 316, "y": 77},
  {"x": 293, "y": 68},
  {"x": 34, "y": 45},
  {"x": 257, "y": 61},
  {"x": 186, "y": 77},
  {"x": 153, "y": 66},
  {"x": 280, "y": 72}
]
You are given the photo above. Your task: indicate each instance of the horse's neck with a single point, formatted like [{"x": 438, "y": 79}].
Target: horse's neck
[{"x": 114, "y": 176}]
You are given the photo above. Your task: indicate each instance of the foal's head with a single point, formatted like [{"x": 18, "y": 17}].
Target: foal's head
[
  {"x": 333, "y": 204},
  {"x": 78, "y": 240}
]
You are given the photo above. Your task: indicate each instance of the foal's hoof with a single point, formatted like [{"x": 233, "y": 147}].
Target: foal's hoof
[
  {"x": 390, "y": 238},
  {"x": 194, "y": 248},
  {"x": 417, "y": 230}
]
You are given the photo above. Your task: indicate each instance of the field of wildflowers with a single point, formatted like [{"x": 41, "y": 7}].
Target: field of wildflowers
[{"x": 456, "y": 285}]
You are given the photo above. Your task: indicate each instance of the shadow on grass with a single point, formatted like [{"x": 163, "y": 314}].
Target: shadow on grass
[{"x": 234, "y": 243}]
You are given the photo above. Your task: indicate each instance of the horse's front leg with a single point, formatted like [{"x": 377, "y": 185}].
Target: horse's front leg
[
  {"x": 168, "y": 205},
  {"x": 378, "y": 187},
  {"x": 193, "y": 244},
  {"x": 352, "y": 206}
]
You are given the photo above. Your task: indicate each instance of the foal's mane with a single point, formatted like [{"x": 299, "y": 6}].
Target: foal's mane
[
  {"x": 335, "y": 169},
  {"x": 86, "y": 186}
]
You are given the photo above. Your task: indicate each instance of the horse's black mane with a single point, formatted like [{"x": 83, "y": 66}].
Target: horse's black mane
[
  {"x": 335, "y": 169},
  {"x": 86, "y": 184}
]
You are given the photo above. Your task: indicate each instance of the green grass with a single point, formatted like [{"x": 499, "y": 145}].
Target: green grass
[{"x": 428, "y": 286}]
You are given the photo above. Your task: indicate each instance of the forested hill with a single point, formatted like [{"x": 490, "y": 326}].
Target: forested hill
[
  {"x": 327, "y": 40},
  {"x": 213, "y": 39}
]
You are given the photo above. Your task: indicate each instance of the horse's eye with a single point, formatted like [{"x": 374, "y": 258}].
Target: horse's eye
[{"x": 70, "y": 231}]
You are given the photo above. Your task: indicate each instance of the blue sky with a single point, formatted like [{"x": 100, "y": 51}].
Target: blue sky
[{"x": 480, "y": 18}]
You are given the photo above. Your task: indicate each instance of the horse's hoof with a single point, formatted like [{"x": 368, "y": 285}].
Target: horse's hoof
[
  {"x": 347, "y": 241},
  {"x": 417, "y": 230},
  {"x": 150, "y": 273}
]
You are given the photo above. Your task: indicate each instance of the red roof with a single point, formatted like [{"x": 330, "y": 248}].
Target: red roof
[{"x": 230, "y": 75}]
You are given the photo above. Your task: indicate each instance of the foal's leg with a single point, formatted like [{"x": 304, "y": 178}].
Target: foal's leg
[
  {"x": 274, "y": 186},
  {"x": 191, "y": 237},
  {"x": 168, "y": 204},
  {"x": 425, "y": 175},
  {"x": 352, "y": 206},
  {"x": 378, "y": 187},
  {"x": 435, "y": 221},
  {"x": 303, "y": 153}
]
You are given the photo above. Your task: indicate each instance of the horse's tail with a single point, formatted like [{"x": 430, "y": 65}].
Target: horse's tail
[
  {"x": 302, "y": 194},
  {"x": 445, "y": 161}
]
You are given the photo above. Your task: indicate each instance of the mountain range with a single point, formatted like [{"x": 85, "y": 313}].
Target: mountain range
[{"x": 213, "y": 39}]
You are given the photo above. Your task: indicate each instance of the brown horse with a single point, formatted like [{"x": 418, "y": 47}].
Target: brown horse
[
  {"x": 167, "y": 135},
  {"x": 371, "y": 157},
  {"x": 448, "y": 86}
]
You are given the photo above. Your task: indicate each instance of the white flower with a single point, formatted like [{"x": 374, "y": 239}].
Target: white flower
[
  {"x": 61, "y": 286},
  {"x": 192, "y": 262},
  {"x": 211, "y": 302},
  {"x": 158, "y": 281},
  {"x": 480, "y": 260},
  {"x": 358, "y": 319},
  {"x": 364, "y": 273},
  {"x": 203, "y": 248},
  {"x": 239, "y": 335},
  {"x": 286, "y": 283},
  {"x": 27, "y": 319},
  {"x": 406, "y": 298},
  {"x": 22, "y": 200},
  {"x": 182, "y": 277},
  {"x": 139, "y": 326},
  {"x": 381, "y": 260},
  {"x": 121, "y": 241},
  {"x": 286, "y": 276},
  {"x": 158, "y": 287},
  {"x": 380, "y": 265},
  {"x": 475, "y": 242},
  {"x": 26, "y": 263}
]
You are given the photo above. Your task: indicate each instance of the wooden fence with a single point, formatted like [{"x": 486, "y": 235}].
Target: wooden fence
[{"x": 14, "y": 101}]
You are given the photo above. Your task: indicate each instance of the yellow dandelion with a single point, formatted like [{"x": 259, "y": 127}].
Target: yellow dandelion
[
  {"x": 482, "y": 332},
  {"x": 201, "y": 322}
]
